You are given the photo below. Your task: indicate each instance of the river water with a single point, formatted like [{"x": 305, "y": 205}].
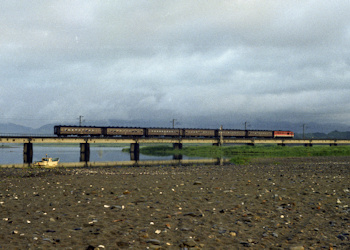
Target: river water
[{"x": 14, "y": 155}]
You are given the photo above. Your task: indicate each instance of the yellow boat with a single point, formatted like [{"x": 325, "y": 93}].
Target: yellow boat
[{"x": 47, "y": 162}]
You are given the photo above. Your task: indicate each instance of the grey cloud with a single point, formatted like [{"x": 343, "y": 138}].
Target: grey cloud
[{"x": 287, "y": 61}]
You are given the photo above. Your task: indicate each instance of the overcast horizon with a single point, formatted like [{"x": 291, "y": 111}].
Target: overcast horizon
[{"x": 225, "y": 62}]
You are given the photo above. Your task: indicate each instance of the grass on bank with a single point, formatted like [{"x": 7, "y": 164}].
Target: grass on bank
[{"x": 243, "y": 154}]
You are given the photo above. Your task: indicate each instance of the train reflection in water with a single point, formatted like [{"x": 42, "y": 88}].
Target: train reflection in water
[{"x": 181, "y": 162}]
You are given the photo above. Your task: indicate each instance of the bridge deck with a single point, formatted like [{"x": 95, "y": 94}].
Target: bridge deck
[{"x": 25, "y": 139}]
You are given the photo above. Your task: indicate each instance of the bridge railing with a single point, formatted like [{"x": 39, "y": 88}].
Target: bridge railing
[{"x": 25, "y": 135}]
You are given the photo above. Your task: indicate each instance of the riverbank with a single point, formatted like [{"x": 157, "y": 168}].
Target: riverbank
[
  {"x": 243, "y": 154},
  {"x": 277, "y": 203}
]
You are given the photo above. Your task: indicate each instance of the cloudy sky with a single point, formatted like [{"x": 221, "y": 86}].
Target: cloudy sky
[{"x": 226, "y": 62}]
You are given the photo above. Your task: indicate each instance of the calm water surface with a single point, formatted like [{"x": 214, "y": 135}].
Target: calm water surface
[{"x": 14, "y": 155}]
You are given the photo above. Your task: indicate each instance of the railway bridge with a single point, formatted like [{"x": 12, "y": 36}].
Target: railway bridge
[{"x": 85, "y": 142}]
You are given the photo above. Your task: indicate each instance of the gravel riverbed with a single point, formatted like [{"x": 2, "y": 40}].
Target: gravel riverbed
[{"x": 282, "y": 203}]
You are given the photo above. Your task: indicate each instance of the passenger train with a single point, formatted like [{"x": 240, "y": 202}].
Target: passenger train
[{"x": 134, "y": 132}]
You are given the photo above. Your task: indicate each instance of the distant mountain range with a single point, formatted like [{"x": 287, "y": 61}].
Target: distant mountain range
[
  {"x": 11, "y": 128},
  {"x": 332, "y": 135}
]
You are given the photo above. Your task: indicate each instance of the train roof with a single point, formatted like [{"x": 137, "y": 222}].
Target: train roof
[{"x": 226, "y": 129}]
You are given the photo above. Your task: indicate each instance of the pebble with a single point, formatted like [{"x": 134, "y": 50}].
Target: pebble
[
  {"x": 153, "y": 241},
  {"x": 246, "y": 244},
  {"x": 116, "y": 207},
  {"x": 188, "y": 242},
  {"x": 343, "y": 236},
  {"x": 233, "y": 234},
  {"x": 191, "y": 214},
  {"x": 296, "y": 248}
]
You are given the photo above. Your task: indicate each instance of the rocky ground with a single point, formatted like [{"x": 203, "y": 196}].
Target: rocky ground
[{"x": 299, "y": 203}]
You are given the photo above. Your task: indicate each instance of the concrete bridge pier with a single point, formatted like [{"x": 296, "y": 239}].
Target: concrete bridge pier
[
  {"x": 134, "y": 151},
  {"x": 84, "y": 152},
  {"x": 177, "y": 157},
  {"x": 220, "y": 162},
  {"x": 28, "y": 153},
  {"x": 177, "y": 146}
]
